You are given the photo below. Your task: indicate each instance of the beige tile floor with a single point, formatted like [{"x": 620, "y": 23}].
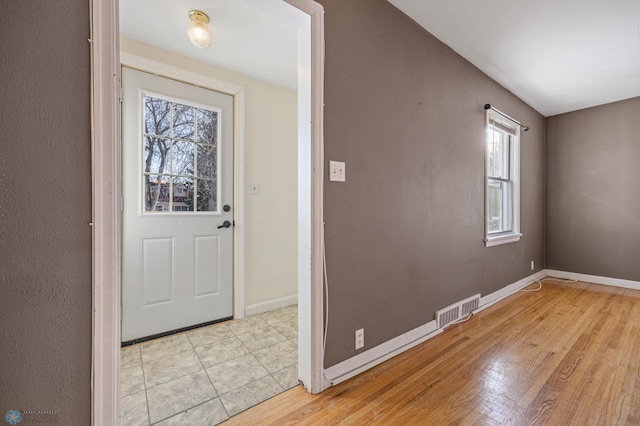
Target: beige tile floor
[{"x": 206, "y": 375}]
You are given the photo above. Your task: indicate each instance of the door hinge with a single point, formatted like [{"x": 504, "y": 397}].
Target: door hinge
[
  {"x": 234, "y": 223},
  {"x": 121, "y": 96}
]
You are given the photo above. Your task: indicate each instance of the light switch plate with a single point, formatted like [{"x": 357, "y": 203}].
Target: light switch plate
[{"x": 337, "y": 171}]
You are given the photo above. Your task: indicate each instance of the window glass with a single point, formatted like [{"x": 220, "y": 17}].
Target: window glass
[
  {"x": 498, "y": 150},
  {"x": 498, "y": 211}
]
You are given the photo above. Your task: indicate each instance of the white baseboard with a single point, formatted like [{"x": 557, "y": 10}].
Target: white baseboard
[
  {"x": 355, "y": 365},
  {"x": 270, "y": 305},
  {"x": 595, "y": 279},
  {"x": 507, "y": 291},
  {"x": 377, "y": 355}
]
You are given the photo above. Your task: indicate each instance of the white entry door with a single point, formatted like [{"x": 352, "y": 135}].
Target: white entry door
[{"x": 177, "y": 165}]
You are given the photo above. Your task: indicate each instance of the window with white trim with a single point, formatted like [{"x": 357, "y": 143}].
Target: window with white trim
[
  {"x": 180, "y": 163},
  {"x": 502, "y": 180}
]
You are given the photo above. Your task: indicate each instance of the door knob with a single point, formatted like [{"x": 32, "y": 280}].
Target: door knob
[{"x": 225, "y": 224}]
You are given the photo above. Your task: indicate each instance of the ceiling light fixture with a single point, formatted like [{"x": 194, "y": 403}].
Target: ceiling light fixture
[{"x": 199, "y": 31}]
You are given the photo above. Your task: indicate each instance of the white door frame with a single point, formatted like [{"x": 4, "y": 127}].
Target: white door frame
[
  {"x": 107, "y": 224},
  {"x": 175, "y": 73}
]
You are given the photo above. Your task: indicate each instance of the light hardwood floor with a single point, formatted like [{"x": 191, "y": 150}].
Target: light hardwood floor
[{"x": 568, "y": 354}]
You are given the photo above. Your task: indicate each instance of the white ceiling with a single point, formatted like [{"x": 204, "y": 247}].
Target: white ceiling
[
  {"x": 556, "y": 55},
  {"x": 257, "y": 38}
]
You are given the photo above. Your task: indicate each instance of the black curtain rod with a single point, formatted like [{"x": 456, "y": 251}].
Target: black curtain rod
[{"x": 488, "y": 106}]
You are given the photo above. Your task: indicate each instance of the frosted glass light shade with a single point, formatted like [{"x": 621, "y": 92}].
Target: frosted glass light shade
[{"x": 199, "y": 31}]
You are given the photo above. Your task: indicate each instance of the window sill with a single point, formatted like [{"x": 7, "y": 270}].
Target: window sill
[{"x": 502, "y": 239}]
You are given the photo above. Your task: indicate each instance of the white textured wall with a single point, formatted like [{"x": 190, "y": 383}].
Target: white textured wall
[{"x": 271, "y": 160}]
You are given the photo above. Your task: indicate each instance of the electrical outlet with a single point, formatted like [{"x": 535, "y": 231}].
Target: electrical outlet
[
  {"x": 532, "y": 265},
  {"x": 359, "y": 338}
]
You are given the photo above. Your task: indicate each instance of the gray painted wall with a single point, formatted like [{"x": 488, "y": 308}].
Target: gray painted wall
[
  {"x": 404, "y": 233},
  {"x": 593, "y": 191},
  {"x": 45, "y": 209}
]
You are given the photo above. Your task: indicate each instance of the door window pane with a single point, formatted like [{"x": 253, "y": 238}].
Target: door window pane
[
  {"x": 157, "y": 116},
  {"x": 207, "y": 199},
  {"x": 183, "y": 122},
  {"x": 182, "y": 200},
  {"x": 156, "y": 194},
  {"x": 207, "y": 161},
  {"x": 182, "y": 158},
  {"x": 156, "y": 159},
  {"x": 207, "y": 126}
]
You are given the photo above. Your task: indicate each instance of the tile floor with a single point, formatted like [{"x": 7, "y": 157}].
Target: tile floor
[{"x": 206, "y": 375}]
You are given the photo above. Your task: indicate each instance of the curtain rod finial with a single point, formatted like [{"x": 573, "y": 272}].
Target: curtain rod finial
[{"x": 487, "y": 106}]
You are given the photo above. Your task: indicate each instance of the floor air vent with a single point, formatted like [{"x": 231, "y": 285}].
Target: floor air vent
[{"x": 456, "y": 311}]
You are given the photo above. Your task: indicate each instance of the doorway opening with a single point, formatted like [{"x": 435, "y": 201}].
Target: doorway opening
[
  {"x": 221, "y": 363},
  {"x": 107, "y": 224}
]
